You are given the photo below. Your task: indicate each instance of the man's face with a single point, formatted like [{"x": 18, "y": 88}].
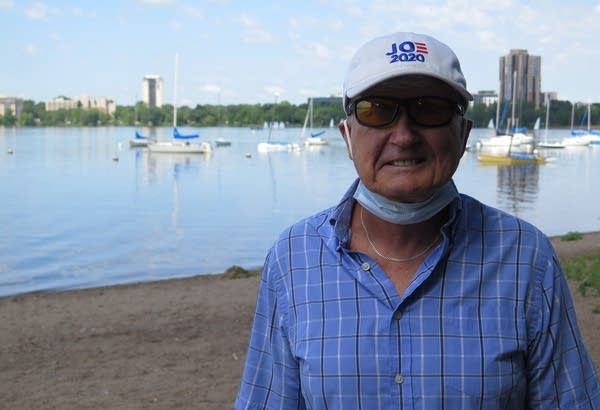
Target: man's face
[{"x": 405, "y": 161}]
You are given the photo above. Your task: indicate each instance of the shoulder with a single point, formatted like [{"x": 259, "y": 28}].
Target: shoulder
[
  {"x": 493, "y": 228},
  {"x": 306, "y": 233}
]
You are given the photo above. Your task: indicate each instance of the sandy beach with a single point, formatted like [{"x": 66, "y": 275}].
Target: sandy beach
[{"x": 172, "y": 344}]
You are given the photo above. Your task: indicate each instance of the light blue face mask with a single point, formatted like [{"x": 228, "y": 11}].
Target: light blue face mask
[{"x": 405, "y": 213}]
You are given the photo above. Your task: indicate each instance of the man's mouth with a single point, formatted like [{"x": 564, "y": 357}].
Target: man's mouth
[{"x": 405, "y": 162}]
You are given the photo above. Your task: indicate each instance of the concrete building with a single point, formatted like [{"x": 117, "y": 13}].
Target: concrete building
[
  {"x": 549, "y": 96},
  {"x": 487, "y": 97},
  {"x": 106, "y": 105},
  {"x": 528, "y": 77},
  {"x": 12, "y": 104},
  {"x": 152, "y": 90}
]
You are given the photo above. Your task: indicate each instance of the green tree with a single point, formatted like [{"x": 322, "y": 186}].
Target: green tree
[{"x": 9, "y": 119}]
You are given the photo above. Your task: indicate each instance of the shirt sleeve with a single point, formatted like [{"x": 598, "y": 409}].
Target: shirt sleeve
[
  {"x": 560, "y": 371},
  {"x": 271, "y": 374}
]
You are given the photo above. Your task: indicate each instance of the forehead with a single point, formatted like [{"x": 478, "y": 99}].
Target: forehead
[{"x": 412, "y": 86}]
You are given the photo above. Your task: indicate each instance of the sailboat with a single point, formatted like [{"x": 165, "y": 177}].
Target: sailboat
[
  {"x": 181, "y": 143},
  {"x": 545, "y": 143},
  {"x": 508, "y": 139},
  {"x": 314, "y": 137},
  {"x": 271, "y": 145},
  {"x": 589, "y": 136},
  {"x": 139, "y": 140},
  {"x": 510, "y": 157}
]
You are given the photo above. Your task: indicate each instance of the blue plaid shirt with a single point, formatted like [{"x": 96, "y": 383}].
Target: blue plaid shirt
[{"x": 486, "y": 323}]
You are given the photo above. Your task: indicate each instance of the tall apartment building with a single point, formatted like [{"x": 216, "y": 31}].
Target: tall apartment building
[
  {"x": 528, "y": 73},
  {"x": 152, "y": 90}
]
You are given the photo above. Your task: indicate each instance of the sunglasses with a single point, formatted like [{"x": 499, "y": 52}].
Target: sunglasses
[{"x": 378, "y": 112}]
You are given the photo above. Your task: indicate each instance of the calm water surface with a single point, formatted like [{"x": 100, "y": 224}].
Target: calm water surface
[{"x": 82, "y": 209}]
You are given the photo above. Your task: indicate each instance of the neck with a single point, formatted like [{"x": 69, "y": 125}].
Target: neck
[{"x": 393, "y": 242}]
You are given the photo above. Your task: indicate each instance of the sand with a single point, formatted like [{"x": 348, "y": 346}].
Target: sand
[{"x": 177, "y": 343}]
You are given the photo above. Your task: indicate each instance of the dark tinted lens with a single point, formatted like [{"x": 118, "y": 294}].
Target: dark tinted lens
[
  {"x": 431, "y": 111},
  {"x": 376, "y": 112}
]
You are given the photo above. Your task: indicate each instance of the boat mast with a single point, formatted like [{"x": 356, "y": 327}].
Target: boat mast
[
  {"x": 306, "y": 118},
  {"x": 273, "y": 117},
  {"x": 572, "y": 115},
  {"x": 513, "y": 112},
  {"x": 175, "y": 92},
  {"x": 497, "y": 127},
  {"x": 589, "y": 118},
  {"x": 547, "y": 114},
  {"x": 514, "y": 94}
]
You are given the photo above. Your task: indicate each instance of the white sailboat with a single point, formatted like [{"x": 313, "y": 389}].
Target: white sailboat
[
  {"x": 577, "y": 138},
  {"x": 545, "y": 143},
  {"x": 139, "y": 140},
  {"x": 314, "y": 137},
  {"x": 181, "y": 143},
  {"x": 520, "y": 148},
  {"x": 592, "y": 137},
  {"x": 273, "y": 146}
]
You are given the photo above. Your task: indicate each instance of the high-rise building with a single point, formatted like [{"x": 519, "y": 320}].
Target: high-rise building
[
  {"x": 528, "y": 77},
  {"x": 152, "y": 90}
]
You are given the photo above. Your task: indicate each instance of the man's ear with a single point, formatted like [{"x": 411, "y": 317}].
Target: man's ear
[{"x": 345, "y": 131}]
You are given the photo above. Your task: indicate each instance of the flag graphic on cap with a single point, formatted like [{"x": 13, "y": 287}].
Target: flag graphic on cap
[{"x": 421, "y": 47}]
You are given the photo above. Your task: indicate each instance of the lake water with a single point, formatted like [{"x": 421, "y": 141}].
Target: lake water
[{"x": 74, "y": 216}]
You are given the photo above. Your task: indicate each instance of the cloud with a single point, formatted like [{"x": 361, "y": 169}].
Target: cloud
[
  {"x": 211, "y": 88},
  {"x": 157, "y": 2},
  {"x": 192, "y": 12},
  {"x": 321, "y": 51},
  {"x": 487, "y": 39},
  {"x": 253, "y": 34},
  {"x": 175, "y": 25},
  {"x": 257, "y": 36},
  {"x": 6, "y": 4},
  {"x": 294, "y": 23},
  {"x": 275, "y": 90},
  {"x": 38, "y": 11},
  {"x": 77, "y": 11},
  {"x": 245, "y": 20},
  {"x": 32, "y": 49}
]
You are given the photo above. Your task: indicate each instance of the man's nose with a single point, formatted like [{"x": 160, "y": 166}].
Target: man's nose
[{"x": 401, "y": 130}]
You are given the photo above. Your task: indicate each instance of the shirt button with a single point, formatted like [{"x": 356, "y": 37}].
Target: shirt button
[
  {"x": 365, "y": 266},
  {"x": 399, "y": 379},
  {"x": 397, "y": 315}
]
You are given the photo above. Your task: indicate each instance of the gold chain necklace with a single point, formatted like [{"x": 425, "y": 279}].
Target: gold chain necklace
[{"x": 389, "y": 258}]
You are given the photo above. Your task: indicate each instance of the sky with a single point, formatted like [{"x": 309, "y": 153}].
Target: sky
[{"x": 247, "y": 52}]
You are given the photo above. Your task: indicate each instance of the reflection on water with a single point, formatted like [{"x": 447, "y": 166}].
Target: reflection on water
[
  {"x": 517, "y": 187},
  {"x": 153, "y": 216}
]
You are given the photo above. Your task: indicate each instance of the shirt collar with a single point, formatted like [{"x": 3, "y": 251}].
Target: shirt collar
[{"x": 340, "y": 216}]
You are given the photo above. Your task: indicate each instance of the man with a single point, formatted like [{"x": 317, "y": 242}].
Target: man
[{"x": 407, "y": 294}]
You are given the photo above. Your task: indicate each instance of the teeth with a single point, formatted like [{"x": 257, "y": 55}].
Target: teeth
[{"x": 402, "y": 163}]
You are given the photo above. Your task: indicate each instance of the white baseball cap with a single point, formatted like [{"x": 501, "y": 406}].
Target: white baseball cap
[{"x": 402, "y": 54}]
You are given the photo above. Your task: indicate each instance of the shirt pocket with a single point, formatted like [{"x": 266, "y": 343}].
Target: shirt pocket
[{"x": 485, "y": 361}]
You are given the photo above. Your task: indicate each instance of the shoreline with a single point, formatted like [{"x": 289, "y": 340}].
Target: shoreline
[{"x": 173, "y": 343}]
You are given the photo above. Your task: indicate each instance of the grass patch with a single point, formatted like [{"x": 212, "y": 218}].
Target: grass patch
[
  {"x": 571, "y": 236},
  {"x": 586, "y": 271}
]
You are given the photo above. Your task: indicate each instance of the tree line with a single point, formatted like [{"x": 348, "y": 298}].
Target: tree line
[{"x": 255, "y": 115}]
